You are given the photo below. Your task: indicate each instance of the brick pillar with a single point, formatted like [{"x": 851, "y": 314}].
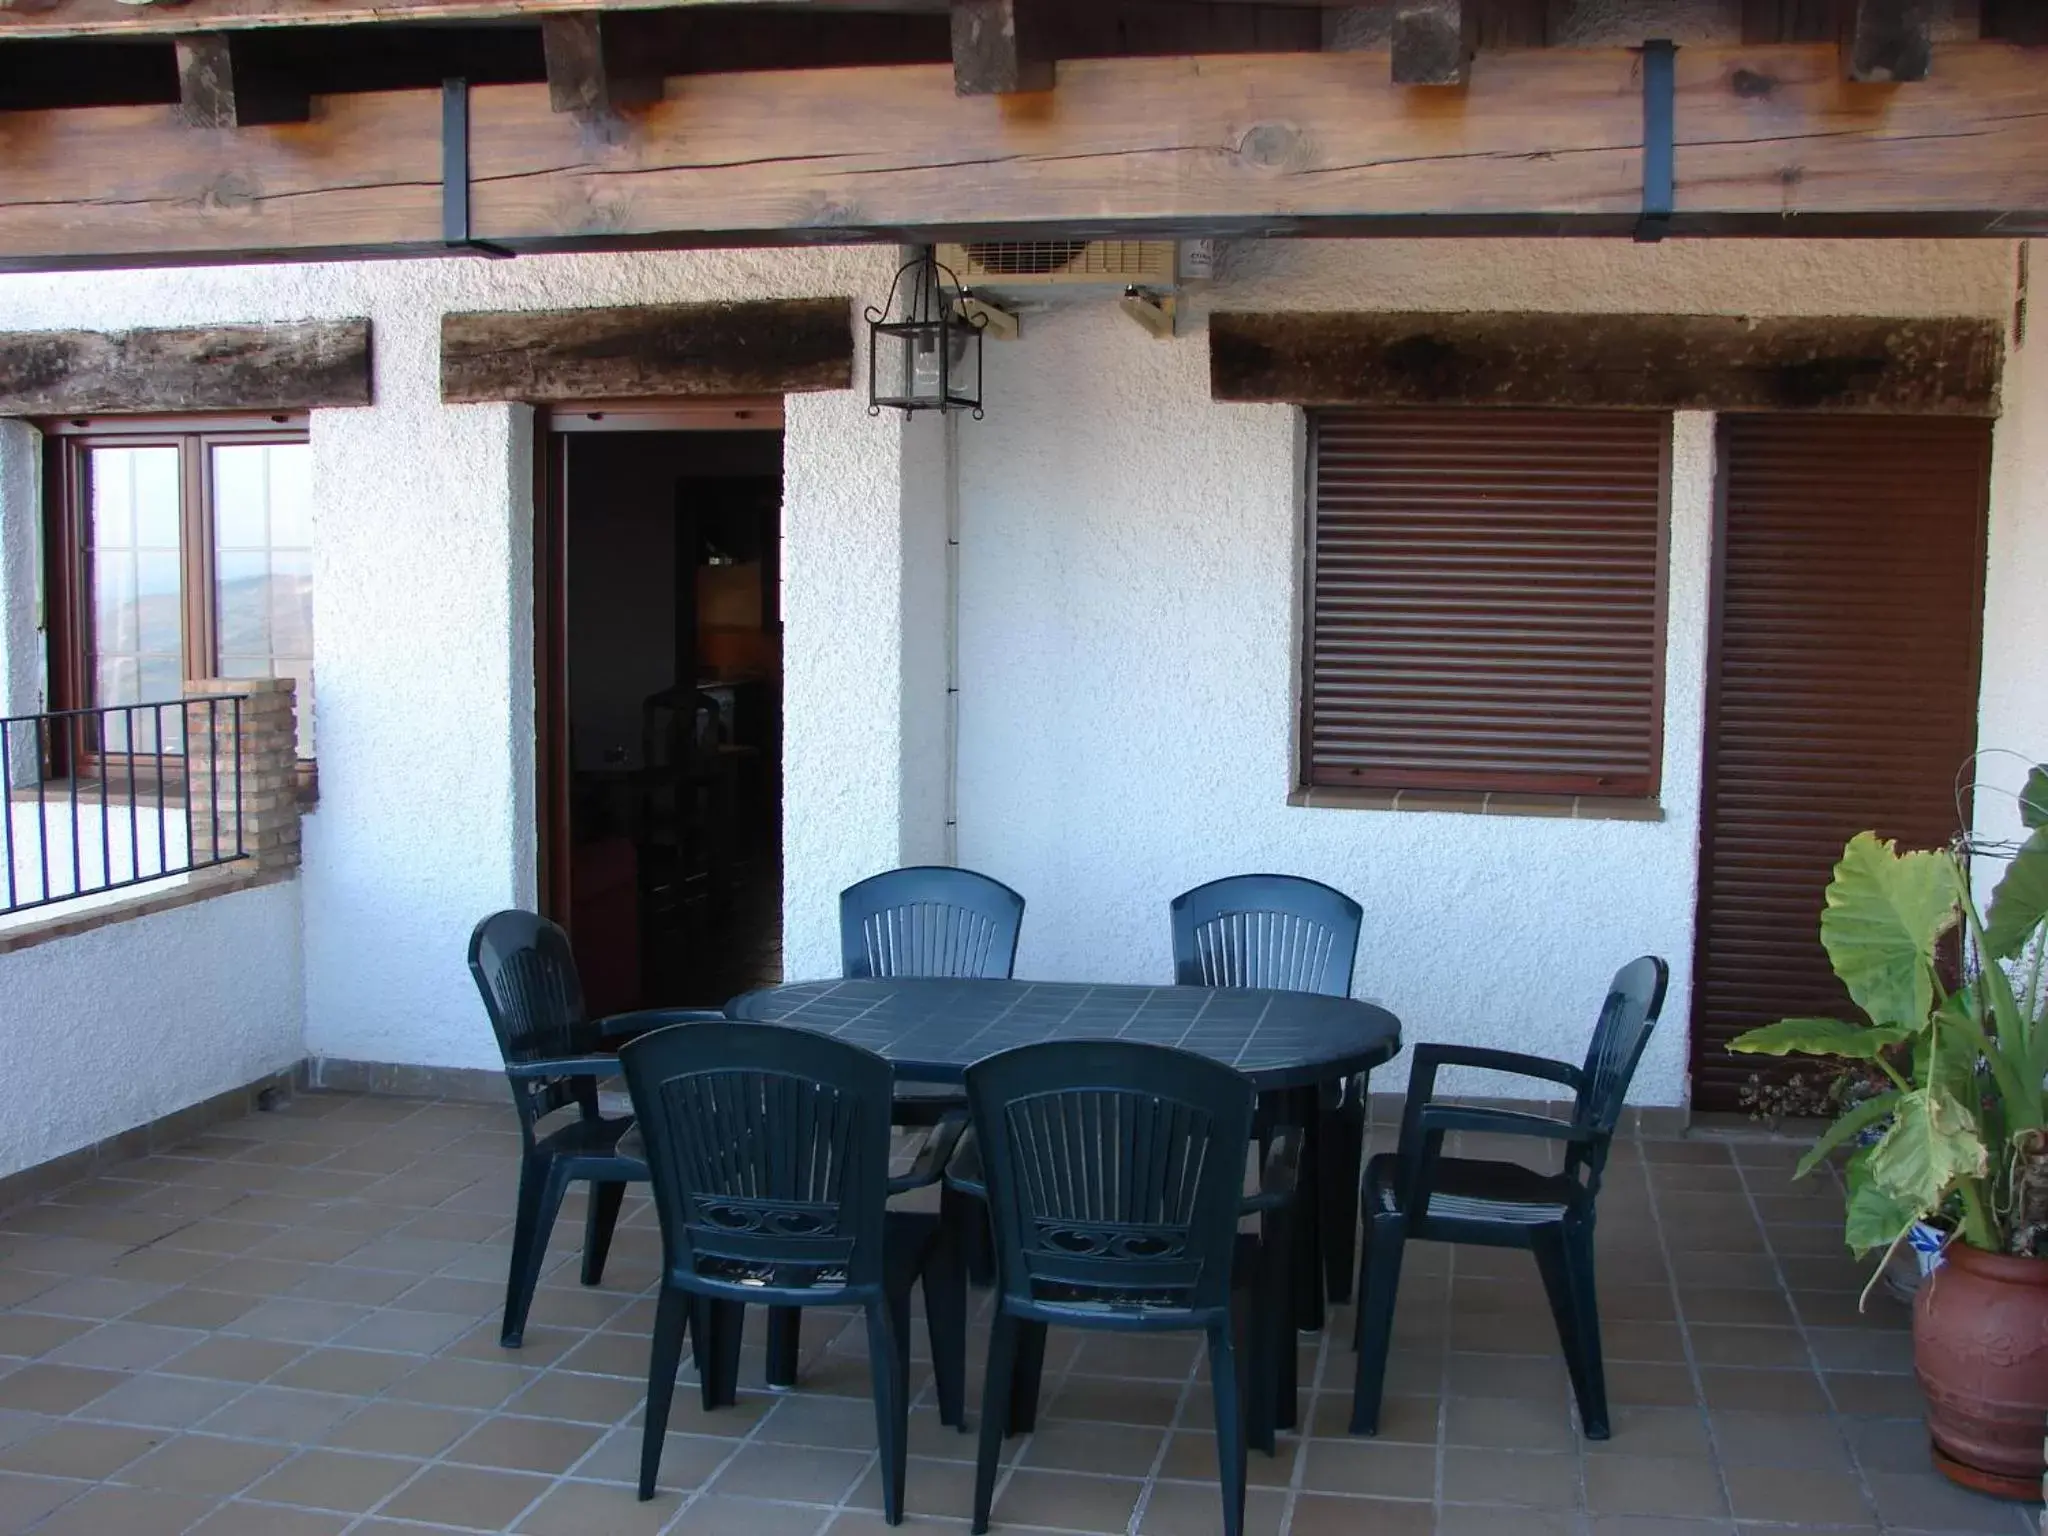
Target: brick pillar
[{"x": 264, "y": 728}]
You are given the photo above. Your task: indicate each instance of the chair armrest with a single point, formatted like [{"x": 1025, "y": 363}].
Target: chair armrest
[
  {"x": 1438, "y": 1118},
  {"x": 963, "y": 1172},
  {"x": 934, "y": 1156},
  {"x": 565, "y": 1066},
  {"x": 1279, "y": 1174},
  {"x": 1428, "y": 1058},
  {"x": 623, "y": 1026}
]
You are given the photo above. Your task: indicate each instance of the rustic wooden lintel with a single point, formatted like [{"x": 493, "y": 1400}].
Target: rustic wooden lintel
[
  {"x": 221, "y": 86},
  {"x": 1947, "y": 366},
  {"x": 763, "y": 347},
  {"x": 999, "y": 48},
  {"x": 590, "y": 70},
  {"x": 1432, "y": 41},
  {"x": 207, "y": 368}
]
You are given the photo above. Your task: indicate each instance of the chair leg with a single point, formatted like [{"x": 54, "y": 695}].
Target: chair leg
[
  {"x": 671, "y": 1319},
  {"x": 1030, "y": 1371},
  {"x": 995, "y": 1413},
  {"x": 718, "y": 1326},
  {"x": 1276, "y": 1249},
  {"x": 785, "y": 1344},
  {"x": 1315, "y": 1173},
  {"x": 1592, "y": 1387},
  {"x": 945, "y": 1319},
  {"x": 1230, "y": 1435},
  {"x": 1344, "y": 1159},
  {"x": 888, "y": 1367},
  {"x": 1385, "y": 1237},
  {"x": 1259, "y": 1388},
  {"x": 541, "y": 1187},
  {"x": 598, "y": 1222},
  {"x": 1551, "y": 1263},
  {"x": 967, "y": 1218}
]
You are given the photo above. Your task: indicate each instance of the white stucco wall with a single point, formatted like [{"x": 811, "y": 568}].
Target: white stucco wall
[
  {"x": 1130, "y": 572},
  {"x": 111, "y": 1029},
  {"x": 2013, "y": 712},
  {"x": 423, "y": 617},
  {"x": 20, "y": 655},
  {"x": 1127, "y": 632}
]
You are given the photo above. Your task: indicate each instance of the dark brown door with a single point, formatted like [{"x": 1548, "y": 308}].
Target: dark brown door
[{"x": 1841, "y": 697}]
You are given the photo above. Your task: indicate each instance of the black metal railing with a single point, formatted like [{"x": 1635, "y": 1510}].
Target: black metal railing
[{"x": 102, "y": 799}]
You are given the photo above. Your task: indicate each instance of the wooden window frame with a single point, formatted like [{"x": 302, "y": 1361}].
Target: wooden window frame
[
  {"x": 1393, "y": 789},
  {"x": 68, "y": 560}
]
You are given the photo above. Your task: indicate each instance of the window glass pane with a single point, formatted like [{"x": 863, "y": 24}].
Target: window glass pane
[
  {"x": 137, "y": 640},
  {"x": 263, "y": 563}
]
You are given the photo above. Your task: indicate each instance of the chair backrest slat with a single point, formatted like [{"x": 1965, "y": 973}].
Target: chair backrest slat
[
  {"x": 1115, "y": 1172},
  {"x": 930, "y": 920},
  {"x": 1635, "y": 998},
  {"x": 768, "y": 1150},
  {"x": 1279, "y": 931},
  {"x": 526, "y": 975}
]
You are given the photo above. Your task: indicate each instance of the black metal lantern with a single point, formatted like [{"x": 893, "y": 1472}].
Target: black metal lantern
[{"x": 928, "y": 357}]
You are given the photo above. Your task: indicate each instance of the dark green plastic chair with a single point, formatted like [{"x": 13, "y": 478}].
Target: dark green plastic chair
[
  {"x": 929, "y": 920},
  {"x": 769, "y": 1153},
  {"x": 1416, "y": 1191},
  {"x": 555, "y": 1057},
  {"x": 1289, "y": 934},
  {"x": 1115, "y": 1175}
]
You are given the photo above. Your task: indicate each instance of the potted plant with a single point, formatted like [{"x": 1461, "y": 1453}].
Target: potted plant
[{"x": 1958, "y": 1137}]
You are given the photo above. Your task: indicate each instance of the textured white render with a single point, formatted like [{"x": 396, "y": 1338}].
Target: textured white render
[
  {"x": 1127, "y": 631},
  {"x": 118, "y": 1026},
  {"x": 1131, "y": 559},
  {"x": 2012, "y": 728},
  {"x": 423, "y": 617}
]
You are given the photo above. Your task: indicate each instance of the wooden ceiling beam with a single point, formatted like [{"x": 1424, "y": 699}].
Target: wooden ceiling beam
[
  {"x": 221, "y": 86},
  {"x": 1542, "y": 141},
  {"x": 590, "y": 70},
  {"x": 1432, "y": 41},
  {"x": 1000, "y": 47},
  {"x": 1889, "y": 40}
]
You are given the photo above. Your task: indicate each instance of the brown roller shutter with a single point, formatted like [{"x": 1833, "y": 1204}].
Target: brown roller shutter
[
  {"x": 1842, "y": 694},
  {"x": 1487, "y": 600}
]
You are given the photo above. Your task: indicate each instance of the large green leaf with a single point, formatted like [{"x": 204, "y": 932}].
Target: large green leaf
[
  {"x": 2034, "y": 798},
  {"x": 2020, "y": 904},
  {"x": 1885, "y": 910},
  {"x": 1875, "y": 1219},
  {"x": 1853, "y": 1122},
  {"x": 1933, "y": 1143},
  {"x": 1819, "y": 1037}
]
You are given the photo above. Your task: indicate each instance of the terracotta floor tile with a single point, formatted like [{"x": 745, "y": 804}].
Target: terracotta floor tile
[
  {"x": 525, "y": 1445},
  {"x": 1067, "y": 1500},
  {"x": 239, "y": 1519},
  {"x": 1928, "y": 1501},
  {"x": 1803, "y": 1496},
  {"x": 401, "y": 1429},
  {"x": 1196, "y": 1509},
  {"x": 87, "y": 1451},
  {"x": 465, "y": 1498},
  {"x": 714, "y": 1516},
  {"x": 1549, "y": 1480},
  {"x": 1109, "y": 1449},
  {"x": 167, "y": 1402},
  {"x": 205, "y": 1464},
  {"x": 104, "y": 1510},
  {"x": 1317, "y": 1514},
  {"x": 1645, "y": 1485},
  {"x": 1364, "y": 1467},
  {"x": 343, "y": 1480},
  {"x": 48, "y": 1388},
  {"x": 595, "y": 1509}
]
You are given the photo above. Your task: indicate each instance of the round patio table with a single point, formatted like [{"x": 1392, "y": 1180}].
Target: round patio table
[{"x": 1290, "y": 1044}]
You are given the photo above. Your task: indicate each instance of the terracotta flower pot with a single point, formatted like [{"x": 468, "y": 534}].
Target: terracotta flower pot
[{"x": 1980, "y": 1348}]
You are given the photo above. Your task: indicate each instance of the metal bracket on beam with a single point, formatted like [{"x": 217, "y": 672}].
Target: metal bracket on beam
[
  {"x": 1660, "y": 112},
  {"x": 1155, "y": 313},
  {"x": 455, "y": 174}
]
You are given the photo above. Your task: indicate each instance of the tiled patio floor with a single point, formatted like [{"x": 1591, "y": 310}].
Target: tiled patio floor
[{"x": 289, "y": 1327}]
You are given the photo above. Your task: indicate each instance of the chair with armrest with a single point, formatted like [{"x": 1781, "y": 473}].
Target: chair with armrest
[
  {"x": 1114, "y": 1172},
  {"x": 769, "y": 1154},
  {"x": 1416, "y": 1191},
  {"x": 1289, "y": 934},
  {"x": 554, "y": 1059}
]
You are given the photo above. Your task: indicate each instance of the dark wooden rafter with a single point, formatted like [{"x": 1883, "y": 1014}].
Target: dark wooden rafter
[
  {"x": 591, "y": 66},
  {"x": 1651, "y": 362},
  {"x": 220, "y": 85},
  {"x": 1889, "y": 40},
  {"x": 1000, "y": 47},
  {"x": 1433, "y": 41},
  {"x": 1543, "y": 140},
  {"x": 204, "y": 368},
  {"x": 764, "y": 347}
]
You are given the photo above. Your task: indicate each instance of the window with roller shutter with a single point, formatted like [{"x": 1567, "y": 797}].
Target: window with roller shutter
[{"x": 1486, "y": 601}]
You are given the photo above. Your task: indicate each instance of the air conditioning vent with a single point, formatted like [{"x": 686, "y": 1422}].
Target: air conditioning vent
[{"x": 1006, "y": 266}]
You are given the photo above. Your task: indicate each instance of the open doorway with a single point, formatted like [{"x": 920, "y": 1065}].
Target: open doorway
[{"x": 661, "y": 687}]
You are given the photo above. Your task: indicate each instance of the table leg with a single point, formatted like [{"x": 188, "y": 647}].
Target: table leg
[{"x": 1303, "y": 1110}]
